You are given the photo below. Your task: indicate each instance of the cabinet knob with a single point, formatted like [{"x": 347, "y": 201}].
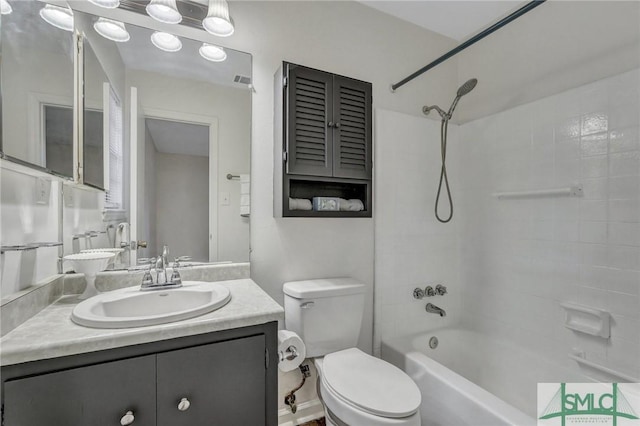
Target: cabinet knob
[
  {"x": 127, "y": 419},
  {"x": 184, "y": 404},
  {"x": 330, "y": 124},
  {"x": 336, "y": 125}
]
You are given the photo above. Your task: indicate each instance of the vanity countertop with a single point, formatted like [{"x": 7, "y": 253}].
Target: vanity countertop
[{"x": 52, "y": 334}]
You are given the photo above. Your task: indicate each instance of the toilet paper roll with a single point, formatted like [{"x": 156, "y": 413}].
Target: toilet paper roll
[{"x": 291, "y": 350}]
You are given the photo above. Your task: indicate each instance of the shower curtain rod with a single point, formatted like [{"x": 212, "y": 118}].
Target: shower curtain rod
[{"x": 501, "y": 23}]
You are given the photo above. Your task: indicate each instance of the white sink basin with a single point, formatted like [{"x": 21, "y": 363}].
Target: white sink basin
[{"x": 130, "y": 307}]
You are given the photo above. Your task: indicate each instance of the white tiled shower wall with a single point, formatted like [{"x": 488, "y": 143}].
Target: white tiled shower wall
[
  {"x": 519, "y": 259},
  {"x": 509, "y": 264},
  {"x": 412, "y": 249}
]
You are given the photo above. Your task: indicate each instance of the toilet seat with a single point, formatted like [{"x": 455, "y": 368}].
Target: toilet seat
[{"x": 370, "y": 384}]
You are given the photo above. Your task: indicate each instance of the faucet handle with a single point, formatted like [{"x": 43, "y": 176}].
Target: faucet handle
[
  {"x": 418, "y": 293},
  {"x": 441, "y": 290},
  {"x": 429, "y": 291}
]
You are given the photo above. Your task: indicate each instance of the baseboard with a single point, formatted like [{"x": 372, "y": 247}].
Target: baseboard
[{"x": 307, "y": 411}]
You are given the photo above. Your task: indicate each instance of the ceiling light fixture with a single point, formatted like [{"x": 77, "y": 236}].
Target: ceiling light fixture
[
  {"x": 218, "y": 22},
  {"x": 59, "y": 17},
  {"x": 111, "y": 30},
  {"x": 165, "y": 41},
  {"x": 164, "y": 11},
  {"x": 107, "y": 4},
  {"x": 212, "y": 53},
  {"x": 5, "y": 7}
]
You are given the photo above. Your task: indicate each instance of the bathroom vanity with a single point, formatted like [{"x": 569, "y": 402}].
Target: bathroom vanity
[{"x": 219, "y": 368}]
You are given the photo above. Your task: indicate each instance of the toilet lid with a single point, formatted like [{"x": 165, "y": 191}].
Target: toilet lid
[{"x": 370, "y": 384}]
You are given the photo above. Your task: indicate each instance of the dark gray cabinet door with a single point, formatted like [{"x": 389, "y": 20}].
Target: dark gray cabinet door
[
  {"x": 97, "y": 395},
  {"x": 352, "y": 146},
  {"x": 224, "y": 383},
  {"x": 309, "y": 122}
]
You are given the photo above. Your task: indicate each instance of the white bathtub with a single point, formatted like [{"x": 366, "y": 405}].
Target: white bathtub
[{"x": 470, "y": 378}]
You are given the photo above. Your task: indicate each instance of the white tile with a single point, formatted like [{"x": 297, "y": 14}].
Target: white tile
[
  {"x": 594, "y": 144},
  {"x": 624, "y": 304},
  {"x": 596, "y": 189},
  {"x": 624, "y": 233},
  {"x": 625, "y": 328},
  {"x": 624, "y": 139},
  {"x": 596, "y": 166},
  {"x": 624, "y": 163},
  {"x": 624, "y": 210},
  {"x": 624, "y": 187},
  {"x": 623, "y": 257},
  {"x": 593, "y": 232},
  {"x": 594, "y": 210}
]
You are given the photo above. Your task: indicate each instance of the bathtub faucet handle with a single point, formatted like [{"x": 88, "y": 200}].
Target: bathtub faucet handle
[
  {"x": 418, "y": 293},
  {"x": 429, "y": 291},
  {"x": 441, "y": 290}
]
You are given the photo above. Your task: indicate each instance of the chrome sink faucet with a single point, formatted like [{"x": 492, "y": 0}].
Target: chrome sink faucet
[
  {"x": 158, "y": 266},
  {"x": 431, "y": 308}
]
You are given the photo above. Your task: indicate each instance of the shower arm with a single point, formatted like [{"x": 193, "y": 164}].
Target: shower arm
[{"x": 445, "y": 115}]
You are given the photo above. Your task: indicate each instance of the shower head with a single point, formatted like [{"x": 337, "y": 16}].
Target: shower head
[{"x": 468, "y": 86}]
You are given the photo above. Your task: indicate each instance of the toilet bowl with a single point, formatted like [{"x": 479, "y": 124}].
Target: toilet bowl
[
  {"x": 360, "y": 390},
  {"x": 357, "y": 389}
]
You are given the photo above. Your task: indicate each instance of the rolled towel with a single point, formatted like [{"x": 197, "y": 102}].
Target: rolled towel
[
  {"x": 353, "y": 205},
  {"x": 299, "y": 204}
]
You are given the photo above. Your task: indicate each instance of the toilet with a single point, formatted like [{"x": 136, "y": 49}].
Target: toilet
[{"x": 357, "y": 389}]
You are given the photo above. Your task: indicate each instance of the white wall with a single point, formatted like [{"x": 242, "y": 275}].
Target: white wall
[
  {"x": 412, "y": 248},
  {"x": 182, "y": 197},
  {"x": 555, "y": 47},
  {"x": 520, "y": 259}
]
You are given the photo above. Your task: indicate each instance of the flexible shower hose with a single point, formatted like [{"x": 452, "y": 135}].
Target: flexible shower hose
[{"x": 443, "y": 172}]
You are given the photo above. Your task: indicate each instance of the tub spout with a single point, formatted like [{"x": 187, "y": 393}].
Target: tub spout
[{"x": 431, "y": 308}]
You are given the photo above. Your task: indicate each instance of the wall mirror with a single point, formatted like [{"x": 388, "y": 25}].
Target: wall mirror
[
  {"x": 187, "y": 109},
  {"x": 37, "y": 77}
]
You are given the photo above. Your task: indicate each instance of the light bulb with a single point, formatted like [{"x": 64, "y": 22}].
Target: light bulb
[
  {"x": 5, "y": 7},
  {"x": 212, "y": 53},
  {"x": 164, "y": 11},
  {"x": 111, "y": 30},
  {"x": 165, "y": 41},
  {"x": 59, "y": 17},
  {"x": 218, "y": 22}
]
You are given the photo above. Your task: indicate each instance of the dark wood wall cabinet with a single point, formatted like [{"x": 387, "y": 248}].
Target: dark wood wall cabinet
[
  {"x": 323, "y": 140},
  {"x": 224, "y": 378}
]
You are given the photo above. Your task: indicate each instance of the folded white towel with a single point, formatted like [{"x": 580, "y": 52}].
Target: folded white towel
[
  {"x": 299, "y": 204},
  {"x": 245, "y": 194},
  {"x": 353, "y": 205}
]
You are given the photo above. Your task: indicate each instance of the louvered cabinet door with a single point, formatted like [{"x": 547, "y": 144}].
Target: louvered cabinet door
[
  {"x": 352, "y": 130},
  {"x": 309, "y": 139}
]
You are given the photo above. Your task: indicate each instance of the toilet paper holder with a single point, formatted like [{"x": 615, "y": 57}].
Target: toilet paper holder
[{"x": 290, "y": 354}]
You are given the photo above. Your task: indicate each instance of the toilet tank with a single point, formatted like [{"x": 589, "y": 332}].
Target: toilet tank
[{"x": 326, "y": 313}]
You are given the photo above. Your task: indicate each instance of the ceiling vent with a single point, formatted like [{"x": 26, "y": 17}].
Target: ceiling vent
[{"x": 242, "y": 79}]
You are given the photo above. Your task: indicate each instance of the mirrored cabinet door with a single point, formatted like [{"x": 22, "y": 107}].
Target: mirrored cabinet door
[{"x": 37, "y": 75}]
